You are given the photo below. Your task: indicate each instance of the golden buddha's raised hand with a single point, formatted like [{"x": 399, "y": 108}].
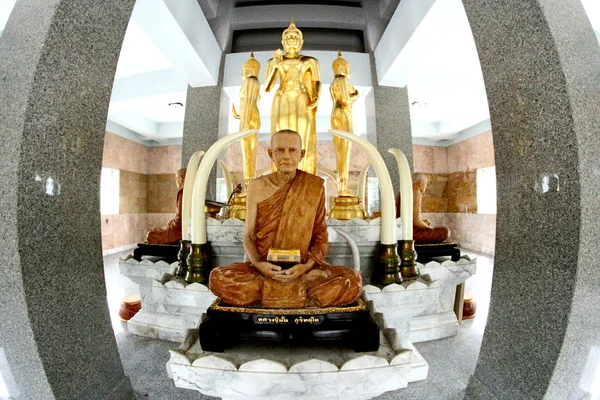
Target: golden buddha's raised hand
[{"x": 277, "y": 58}]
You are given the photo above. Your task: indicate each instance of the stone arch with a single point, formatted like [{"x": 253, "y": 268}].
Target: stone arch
[
  {"x": 540, "y": 62},
  {"x": 56, "y": 70}
]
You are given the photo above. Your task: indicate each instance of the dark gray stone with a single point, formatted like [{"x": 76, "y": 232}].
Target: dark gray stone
[
  {"x": 392, "y": 124},
  {"x": 57, "y": 65},
  {"x": 201, "y": 127},
  {"x": 540, "y": 62}
]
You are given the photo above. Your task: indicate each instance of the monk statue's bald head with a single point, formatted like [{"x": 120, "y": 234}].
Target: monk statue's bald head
[
  {"x": 180, "y": 177},
  {"x": 419, "y": 181},
  {"x": 286, "y": 150},
  {"x": 286, "y": 132}
]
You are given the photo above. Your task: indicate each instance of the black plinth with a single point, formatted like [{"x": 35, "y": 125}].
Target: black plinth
[
  {"x": 168, "y": 251},
  {"x": 350, "y": 326},
  {"x": 425, "y": 252}
]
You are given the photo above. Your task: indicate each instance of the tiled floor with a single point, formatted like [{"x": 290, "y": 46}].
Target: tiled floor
[{"x": 451, "y": 361}]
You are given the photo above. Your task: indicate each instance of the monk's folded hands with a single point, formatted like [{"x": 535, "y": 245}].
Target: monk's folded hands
[
  {"x": 267, "y": 269},
  {"x": 295, "y": 272}
]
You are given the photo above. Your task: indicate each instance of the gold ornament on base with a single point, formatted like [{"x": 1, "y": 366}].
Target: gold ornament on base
[
  {"x": 237, "y": 208},
  {"x": 346, "y": 205}
]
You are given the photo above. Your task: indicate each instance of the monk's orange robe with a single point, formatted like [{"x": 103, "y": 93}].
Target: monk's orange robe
[
  {"x": 292, "y": 218},
  {"x": 172, "y": 232}
]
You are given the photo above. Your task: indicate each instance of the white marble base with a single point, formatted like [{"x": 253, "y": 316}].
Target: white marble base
[
  {"x": 422, "y": 309},
  {"x": 275, "y": 372},
  {"x": 432, "y": 327},
  {"x": 170, "y": 306},
  {"x": 360, "y": 230},
  {"x": 157, "y": 326}
]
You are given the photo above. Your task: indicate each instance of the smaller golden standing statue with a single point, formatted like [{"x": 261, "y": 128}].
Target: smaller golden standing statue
[
  {"x": 346, "y": 205},
  {"x": 249, "y": 117}
]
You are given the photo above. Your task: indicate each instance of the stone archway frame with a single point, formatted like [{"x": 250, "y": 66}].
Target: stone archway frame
[
  {"x": 541, "y": 63},
  {"x": 56, "y": 73}
]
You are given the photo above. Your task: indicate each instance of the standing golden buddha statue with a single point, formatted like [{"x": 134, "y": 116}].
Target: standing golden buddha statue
[
  {"x": 346, "y": 205},
  {"x": 249, "y": 117},
  {"x": 295, "y": 102}
]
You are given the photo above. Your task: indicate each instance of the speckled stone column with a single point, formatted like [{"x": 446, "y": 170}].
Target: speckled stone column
[
  {"x": 392, "y": 121},
  {"x": 541, "y": 65},
  {"x": 57, "y": 64},
  {"x": 201, "y": 124}
]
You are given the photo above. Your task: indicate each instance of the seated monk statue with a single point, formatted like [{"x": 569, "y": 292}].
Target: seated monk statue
[
  {"x": 172, "y": 232},
  {"x": 285, "y": 210},
  {"x": 422, "y": 232}
]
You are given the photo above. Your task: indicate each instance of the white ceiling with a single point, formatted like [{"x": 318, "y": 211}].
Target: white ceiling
[{"x": 439, "y": 64}]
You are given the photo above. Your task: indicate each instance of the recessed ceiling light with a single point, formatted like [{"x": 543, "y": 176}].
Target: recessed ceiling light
[{"x": 175, "y": 105}]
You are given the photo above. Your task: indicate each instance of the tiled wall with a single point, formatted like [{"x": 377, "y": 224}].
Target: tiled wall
[
  {"x": 133, "y": 193},
  {"x": 473, "y": 231},
  {"x": 430, "y": 159},
  {"x": 164, "y": 160},
  {"x": 325, "y": 158},
  {"x": 162, "y": 193},
  {"x": 147, "y": 192},
  {"x": 462, "y": 192},
  {"x": 451, "y": 196},
  {"x": 473, "y": 153},
  {"x": 435, "y": 198},
  {"x": 125, "y": 155}
]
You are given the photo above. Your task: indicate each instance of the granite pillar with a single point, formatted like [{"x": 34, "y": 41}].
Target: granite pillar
[
  {"x": 392, "y": 120},
  {"x": 57, "y": 64},
  {"x": 201, "y": 124},
  {"x": 201, "y": 127},
  {"x": 541, "y": 65}
]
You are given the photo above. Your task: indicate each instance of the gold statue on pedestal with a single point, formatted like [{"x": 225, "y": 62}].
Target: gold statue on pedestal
[
  {"x": 295, "y": 102},
  {"x": 346, "y": 204},
  {"x": 249, "y": 117}
]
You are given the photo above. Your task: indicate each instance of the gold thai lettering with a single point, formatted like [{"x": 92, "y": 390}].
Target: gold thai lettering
[
  {"x": 279, "y": 319},
  {"x": 303, "y": 320}
]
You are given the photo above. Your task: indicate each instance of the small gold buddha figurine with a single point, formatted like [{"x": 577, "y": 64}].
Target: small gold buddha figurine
[
  {"x": 249, "y": 117},
  {"x": 295, "y": 102},
  {"x": 343, "y": 94}
]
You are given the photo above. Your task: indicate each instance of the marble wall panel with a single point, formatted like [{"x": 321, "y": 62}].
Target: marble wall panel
[
  {"x": 120, "y": 230},
  {"x": 124, "y": 154},
  {"x": 164, "y": 159},
  {"x": 430, "y": 159},
  {"x": 133, "y": 192},
  {"x": 147, "y": 192},
  {"x": 435, "y": 198},
  {"x": 473, "y": 153},
  {"x": 473, "y": 231},
  {"x": 462, "y": 192},
  {"x": 162, "y": 193}
]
